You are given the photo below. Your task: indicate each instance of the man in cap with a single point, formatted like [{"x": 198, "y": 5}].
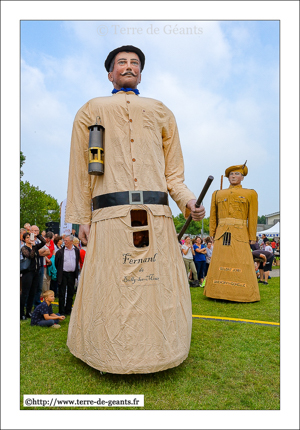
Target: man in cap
[
  {"x": 233, "y": 221},
  {"x": 132, "y": 312}
]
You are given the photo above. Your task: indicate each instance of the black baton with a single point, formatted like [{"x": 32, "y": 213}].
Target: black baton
[{"x": 198, "y": 203}]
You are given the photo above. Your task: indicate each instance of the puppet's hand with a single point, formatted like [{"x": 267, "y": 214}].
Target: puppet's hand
[
  {"x": 196, "y": 213},
  {"x": 83, "y": 235}
]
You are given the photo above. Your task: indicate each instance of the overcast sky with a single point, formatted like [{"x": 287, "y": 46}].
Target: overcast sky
[{"x": 220, "y": 79}]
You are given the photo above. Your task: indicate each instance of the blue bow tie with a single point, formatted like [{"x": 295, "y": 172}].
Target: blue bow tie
[{"x": 126, "y": 90}]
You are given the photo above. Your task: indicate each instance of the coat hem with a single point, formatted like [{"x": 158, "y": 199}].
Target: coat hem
[
  {"x": 232, "y": 299},
  {"x": 122, "y": 371}
]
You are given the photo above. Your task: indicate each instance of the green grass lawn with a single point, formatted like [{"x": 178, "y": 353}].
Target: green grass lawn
[
  {"x": 267, "y": 309},
  {"x": 231, "y": 366}
]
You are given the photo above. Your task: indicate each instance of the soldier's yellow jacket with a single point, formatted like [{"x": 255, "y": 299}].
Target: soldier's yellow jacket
[
  {"x": 237, "y": 203},
  {"x": 233, "y": 221}
]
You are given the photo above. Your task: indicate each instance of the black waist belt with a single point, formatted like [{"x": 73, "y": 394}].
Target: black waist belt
[{"x": 130, "y": 198}]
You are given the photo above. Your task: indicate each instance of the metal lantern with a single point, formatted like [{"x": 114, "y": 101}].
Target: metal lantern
[{"x": 96, "y": 149}]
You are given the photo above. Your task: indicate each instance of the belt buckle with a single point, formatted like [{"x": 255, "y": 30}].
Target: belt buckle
[{"x": 136, "y": 198}]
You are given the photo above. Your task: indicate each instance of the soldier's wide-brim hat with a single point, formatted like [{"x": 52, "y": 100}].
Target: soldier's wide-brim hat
[
  {"x": 242, "y": 168},
  {"x": 126, "y": 48}
]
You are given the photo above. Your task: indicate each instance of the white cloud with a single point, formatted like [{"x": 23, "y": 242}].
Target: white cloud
[
  {"x": 85, "y": 33},
  {"x": 223, "y": 100},
  {"x": 41, "y": 108},
  {"x": 45, "y": 133}
]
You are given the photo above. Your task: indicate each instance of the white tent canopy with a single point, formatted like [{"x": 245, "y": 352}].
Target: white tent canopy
[{"x": 270, "y": 232}]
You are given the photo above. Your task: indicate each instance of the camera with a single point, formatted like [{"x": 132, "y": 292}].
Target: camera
[{"x": 31, "y": 236}]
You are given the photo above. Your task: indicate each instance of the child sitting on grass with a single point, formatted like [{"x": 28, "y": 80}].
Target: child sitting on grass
[{"x": 43, "y": 314}]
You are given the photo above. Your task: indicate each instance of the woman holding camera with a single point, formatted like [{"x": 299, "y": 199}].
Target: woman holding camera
[{"x": 30, "y": 276}]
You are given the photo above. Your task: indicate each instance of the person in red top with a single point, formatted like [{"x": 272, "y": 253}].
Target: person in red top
[
  {"x": 273, "y": 245},
  {"x": 81, "y": 256},
  {"x": 50, "y": 243},
  {"x": 47, "y": 261}
]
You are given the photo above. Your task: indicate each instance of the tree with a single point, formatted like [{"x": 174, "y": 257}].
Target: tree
[
  {"x": 36, "y": 207},
  {"x": 206, "y": 225},
  {"x": 261, "y": 220},
  {"x": 195, "y": 226},
  {"x": 22, "y": 161}
]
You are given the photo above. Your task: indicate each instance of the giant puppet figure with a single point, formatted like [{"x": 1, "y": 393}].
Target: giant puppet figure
[
  {"x": 233, "y": 221},
  {"x": 132, "y": 312}
]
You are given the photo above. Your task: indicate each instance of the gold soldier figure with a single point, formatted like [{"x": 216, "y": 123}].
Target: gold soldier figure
[{"x": 233, "y": 221}]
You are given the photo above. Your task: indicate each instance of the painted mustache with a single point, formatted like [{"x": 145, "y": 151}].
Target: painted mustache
[{"x": 128, "y": 73}]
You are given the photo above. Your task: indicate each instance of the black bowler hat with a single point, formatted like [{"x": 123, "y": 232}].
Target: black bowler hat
[{"x": 127, "y": 48}]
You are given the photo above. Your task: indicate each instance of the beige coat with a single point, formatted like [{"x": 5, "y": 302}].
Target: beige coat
[
  {"x": 231, "y": 274},
  {"x": 132, "y": 312}
]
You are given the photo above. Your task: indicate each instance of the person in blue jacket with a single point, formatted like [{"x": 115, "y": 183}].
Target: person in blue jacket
[{"x": 200, "y": 259}]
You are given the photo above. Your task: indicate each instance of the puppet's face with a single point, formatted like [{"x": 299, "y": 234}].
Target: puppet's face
[
  {"x": 235, "y": 178},
  {"x": 126, "y": 72}
]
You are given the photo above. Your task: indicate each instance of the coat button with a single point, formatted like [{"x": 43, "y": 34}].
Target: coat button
[
  {"x": 131, "y": 140},
  {"x": 130, "y": 120},
  {"x": 133, "y": 159},
  {"x": 128, "y": 101},
  {"x": 135, "y": 180}
]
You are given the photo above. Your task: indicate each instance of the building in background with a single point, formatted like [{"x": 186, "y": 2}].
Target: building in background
[
  {"x": 272, "y": 219},
  {"x": 52, "y": 226}
]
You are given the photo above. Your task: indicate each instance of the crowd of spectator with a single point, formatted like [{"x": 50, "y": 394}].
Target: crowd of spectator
[
  {"x": 273, "y": 244},
  {"x": 265, "y": 253},
  {"x": 196, "y": 255},
  {"x": 50, "y": 268}
]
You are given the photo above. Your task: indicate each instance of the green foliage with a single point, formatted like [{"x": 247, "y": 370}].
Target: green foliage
[
  {"x": 22, "y": 161},
  {"x": 206, "y": 226},
  {"x": 36, "y": 207},
  {"x": 261, "y": 220},
  {"x": 194, "y": 227}
]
